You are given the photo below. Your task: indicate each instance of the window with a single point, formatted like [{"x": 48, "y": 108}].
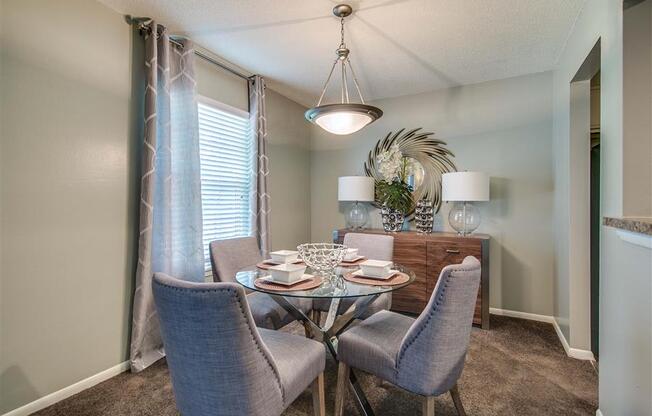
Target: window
[{"x": 226, "y": 157}]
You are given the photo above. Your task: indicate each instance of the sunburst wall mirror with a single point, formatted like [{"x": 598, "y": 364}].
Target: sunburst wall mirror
[{"x": 430, "y": 159}]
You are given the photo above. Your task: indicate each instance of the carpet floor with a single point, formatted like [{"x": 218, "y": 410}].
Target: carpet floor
[{"x": 516, "y": 368}]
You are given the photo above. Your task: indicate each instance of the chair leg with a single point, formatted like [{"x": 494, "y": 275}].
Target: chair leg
[
  {"x": 342, "y": 387},
  {"x": 316, "y": 317},
  {"x": 428, "y": 406},
  {"x": 318, "y": 398},
  {"x": 455, "y": 395},
  {"x": 381, "y": 383},
  {"x": 307, "y": 330}
]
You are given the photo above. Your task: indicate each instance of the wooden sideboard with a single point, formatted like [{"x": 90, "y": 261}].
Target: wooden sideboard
[{"x": 427, "y": 255}]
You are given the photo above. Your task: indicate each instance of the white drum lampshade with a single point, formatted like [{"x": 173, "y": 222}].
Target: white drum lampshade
[
  {"x": 357, "y": 189},
  {"x": 463, "y": 188}
]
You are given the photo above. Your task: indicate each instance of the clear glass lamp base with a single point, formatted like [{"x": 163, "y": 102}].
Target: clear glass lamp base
[
  {"x": 357, "y": 216},
  {"x": 464, "y": 218}
]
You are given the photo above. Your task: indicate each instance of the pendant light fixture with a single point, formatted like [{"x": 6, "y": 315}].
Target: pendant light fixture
[{"x": 344, "y": 117}]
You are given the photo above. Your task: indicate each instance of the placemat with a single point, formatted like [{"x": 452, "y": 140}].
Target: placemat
[
  {"x": 398, "y": 279},
  {"x": 307, "y": 285},
  {"x": 266, "y": 266}
]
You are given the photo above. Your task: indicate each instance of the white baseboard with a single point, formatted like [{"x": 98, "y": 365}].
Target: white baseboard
[
  {"x": 571, "y": 352},
  {"x": 598, "y": 413},
  {"x": 522, "y": 315},
  {"x": 579, "y": 354},
  {"x": 66, "y": 392}
]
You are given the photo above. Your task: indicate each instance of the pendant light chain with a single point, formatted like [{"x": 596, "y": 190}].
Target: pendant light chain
[
  {"x": 344, "y": 62},
  {"x": 344, "y": 117},
  {"x": 344, "y": 91}
]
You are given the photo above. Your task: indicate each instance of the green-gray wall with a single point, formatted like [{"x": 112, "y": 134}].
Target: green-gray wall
[
  {"x": 220, "y": 85},
  {"x": 625, "y": 270},
  {"x": 69, "y": 148},
  {"x": 68, "y": 195},
  {"x": 501, "y": 127},
  {"x": 289, "y": 168}
]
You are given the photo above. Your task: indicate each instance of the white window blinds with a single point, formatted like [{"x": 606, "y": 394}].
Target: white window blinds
[{"x": 226, "y": 157}]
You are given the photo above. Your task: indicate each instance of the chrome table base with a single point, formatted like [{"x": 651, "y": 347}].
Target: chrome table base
[{"x": 328, "y": 333}]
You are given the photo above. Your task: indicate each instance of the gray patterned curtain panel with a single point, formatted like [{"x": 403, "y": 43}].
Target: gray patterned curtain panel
[
  {"x": 260, "y": 197},
  {"x": 170, "y": 225}
]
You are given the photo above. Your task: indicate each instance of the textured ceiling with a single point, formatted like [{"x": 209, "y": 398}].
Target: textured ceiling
[{"x": 398, "y": 47}]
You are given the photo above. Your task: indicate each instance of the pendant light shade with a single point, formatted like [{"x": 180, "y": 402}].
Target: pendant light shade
[{"x": 344, "y": 117}]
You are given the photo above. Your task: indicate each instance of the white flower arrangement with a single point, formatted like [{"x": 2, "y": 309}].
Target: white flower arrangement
[
  {"x": 393, "y": 190},
  {"x": 393, "y": 165},
  {"x": 390, "y": 163}
]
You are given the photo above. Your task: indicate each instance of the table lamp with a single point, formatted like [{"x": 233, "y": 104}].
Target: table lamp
[
  {"x": 463, "y": 188},
  {"x": 357, "y": 189}
]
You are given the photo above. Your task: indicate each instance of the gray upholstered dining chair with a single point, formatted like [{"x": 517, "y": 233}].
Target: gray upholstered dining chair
[
  {"x": 423, "y": 355},
  {"x": 231, "y": 255},
  {"x": 221, "y": 364},
  {"x": 372, "y": 246}
]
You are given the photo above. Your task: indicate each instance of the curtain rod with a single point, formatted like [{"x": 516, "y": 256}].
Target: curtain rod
[
  {"x": 214, "y": 61},
  {"x": 141, "y": 22}
]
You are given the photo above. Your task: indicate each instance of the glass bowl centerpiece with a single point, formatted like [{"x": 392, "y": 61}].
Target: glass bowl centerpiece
[{"x": 322, "y": 257}]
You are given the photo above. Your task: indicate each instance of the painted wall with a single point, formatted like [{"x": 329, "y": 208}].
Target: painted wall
[
  {"x": 626, "y": 270},
  {"x": 637, "y": 110},
  {"x": 501, "y": 127},
  {"x": 289, "y": 169},
  {"x": 220, "y": 85},
  {"x": 68, "y": 195},
  {"x": 69, "y": 149}
]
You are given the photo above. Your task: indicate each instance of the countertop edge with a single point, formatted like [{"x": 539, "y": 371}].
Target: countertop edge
[{"x": 634, "y": 225}]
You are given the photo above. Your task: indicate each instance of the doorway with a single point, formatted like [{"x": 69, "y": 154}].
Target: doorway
[
  {"x": 584, "y": 206},
  {"x": 595, "y": 214}
]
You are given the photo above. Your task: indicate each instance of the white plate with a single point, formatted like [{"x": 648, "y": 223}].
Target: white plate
[
  {"x": 353, "y": 260},
  {"x": 359, "y": 273},
  {"x": 378, "y": 263},
  {"x": 276, "y": 263},
  {"x": 285, "y": 252},
  {"x": 276, "y": 282}
]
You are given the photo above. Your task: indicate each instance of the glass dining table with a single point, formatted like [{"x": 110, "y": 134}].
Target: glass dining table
[{"x": 334, "y": 289}]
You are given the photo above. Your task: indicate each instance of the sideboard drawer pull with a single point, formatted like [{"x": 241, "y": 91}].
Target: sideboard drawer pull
[{"x": 448, "y": 250}]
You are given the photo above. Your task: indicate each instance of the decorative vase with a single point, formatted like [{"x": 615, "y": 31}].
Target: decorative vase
[
  {"x": 424, "y": 215},
  {"x": 392, "y": 219}
]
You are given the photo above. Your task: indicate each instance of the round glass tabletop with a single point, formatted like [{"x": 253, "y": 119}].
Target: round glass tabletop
[{"x": 342, "y": 289}]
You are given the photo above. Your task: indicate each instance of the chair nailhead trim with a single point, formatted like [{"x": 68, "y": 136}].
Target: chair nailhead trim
[
  {"x": 430, "y": 314},
  {"x": 244, "y": 314}
]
